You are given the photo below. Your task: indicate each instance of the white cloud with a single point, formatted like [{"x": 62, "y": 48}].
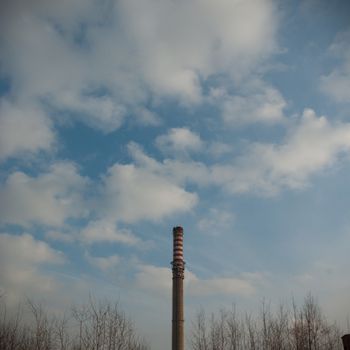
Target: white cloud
[
  {"x": 105, "y": 230},
  {"x": 311, "y": 146},
  {"x": 37, "y": 58},
  {"x": 187, "y": 171},
  {"x": 24, "y": 129},
  {"x": 21, "y": 258},
  {"x": 266, "y": 107},
  {"x": 176, "y": 171},
  {"x": 48, "y": 199},
  {"x": 141, "y": 191},
  {"x": 143, "y": 50},
  {"x": 180, "y": 140},
  {"x": 255, "y": 102},
  {"x": 134, "y": 193},
  {"x": 25, "y": 248},
  {"x": 180, "y": 40},
  {"x": 336, "y": 84},
  {"x": 100, "y": 112},
  {"x": 144, "y": 190},
  {"x": 45, "y": 62}
]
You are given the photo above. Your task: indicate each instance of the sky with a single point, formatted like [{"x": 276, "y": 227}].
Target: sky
[{"x": 120, "y": 119}]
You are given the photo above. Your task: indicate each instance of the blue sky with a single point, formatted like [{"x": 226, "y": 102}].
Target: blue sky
[{"x": 121, "y": 119}]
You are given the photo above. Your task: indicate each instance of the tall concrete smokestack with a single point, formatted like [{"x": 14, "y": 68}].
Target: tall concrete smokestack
[{"x": 178, "y": 294}]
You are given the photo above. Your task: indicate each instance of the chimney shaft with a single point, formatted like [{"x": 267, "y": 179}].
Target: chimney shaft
[{"x": 178, "y": 278}]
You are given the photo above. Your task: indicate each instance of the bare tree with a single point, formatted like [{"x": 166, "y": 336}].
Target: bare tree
[
  {"x": 61, "y": 334},
  {"x": 94, "y": 326},
  {"x": 295, "y": 328},
  {"x": 104, "y": 326},
  {"x": 43, "y": 327},
  {"x": 235, "y": 331},
  {"x": 199, "y": 339}
]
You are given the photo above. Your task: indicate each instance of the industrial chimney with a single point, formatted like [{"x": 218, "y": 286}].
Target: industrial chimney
[{"x": 178, "y": 278}]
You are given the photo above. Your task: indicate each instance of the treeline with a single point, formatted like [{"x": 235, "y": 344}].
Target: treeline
[
  {"x": 104, "y": 326},
  {"x": 287, "y": 328},
  {"x": 94, "y": 326}
]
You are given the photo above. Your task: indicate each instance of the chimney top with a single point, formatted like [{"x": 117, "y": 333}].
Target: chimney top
[{"x": 177, "y": 229}]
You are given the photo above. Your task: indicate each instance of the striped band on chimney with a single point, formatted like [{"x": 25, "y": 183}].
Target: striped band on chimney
[{"x": 178, "y": 245}]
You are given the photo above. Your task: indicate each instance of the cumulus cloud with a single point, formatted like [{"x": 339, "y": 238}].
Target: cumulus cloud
[
  {"x": 24, "y": 129},
  {"x": 336, "y": 84},
  {"x": 158, "y": 279},
  {"x": 21, "y": 259},
  {"x": 147, "y": 189},
  {"x": 45, "y": 60},
  {"x": 129, "y": 52},
  {"x": 48, "y": 199},
  {"x": 142, "y": 191},
  {"x": 175, "y": 170},
  {"x": 126, "y": 191},
  {"x": 134, "y": 193},
  {"x": 180, "y": 40},
  {"x": 311, "y": 146},
  {"x": 179, "y": 140}
]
